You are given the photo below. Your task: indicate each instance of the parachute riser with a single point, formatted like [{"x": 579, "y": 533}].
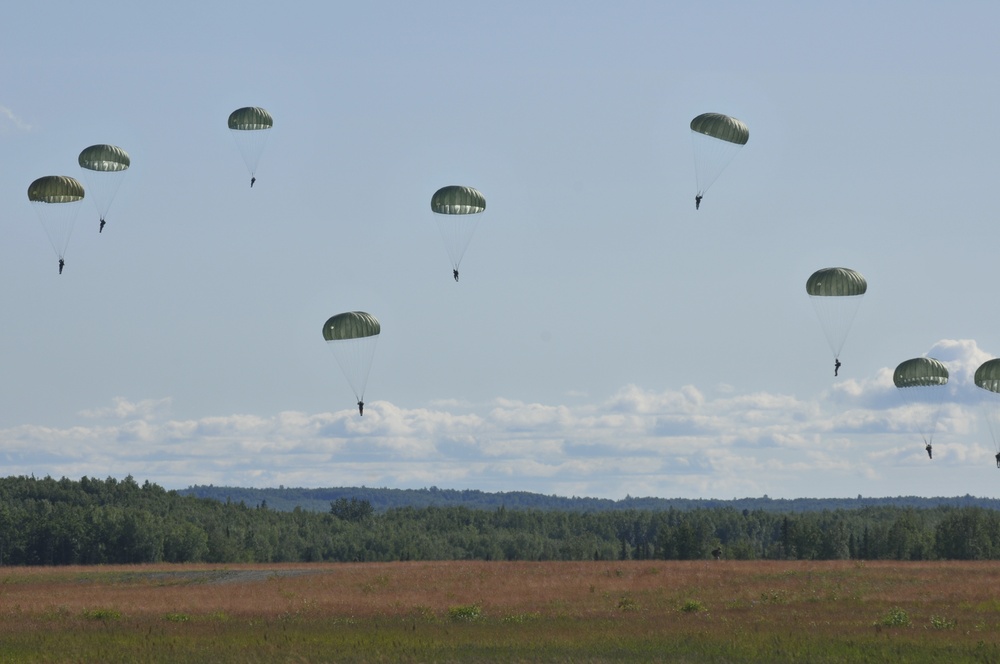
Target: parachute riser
[
  {"x": 836, "y": 316},
  {"x": 457, "y": 231},
  {"x": 711, "y": 157},
  {"x": 926, "y": 402},
  {"x": 58, "y": 220}
]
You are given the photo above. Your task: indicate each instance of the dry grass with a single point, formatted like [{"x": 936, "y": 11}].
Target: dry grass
[{"x": 499, "y": 611}]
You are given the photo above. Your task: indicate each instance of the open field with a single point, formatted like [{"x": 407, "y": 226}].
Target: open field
[{"x": 704, "y": 611}]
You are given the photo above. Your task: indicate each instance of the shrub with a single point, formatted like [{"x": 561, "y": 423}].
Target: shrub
[
  {"x": 896, "y": 617},
  {"x": 102, "y": 614},
  {"x": 468, "y": 613},
  {"x": 692, "y": 606},
  {"x": 940, "y": 622}
]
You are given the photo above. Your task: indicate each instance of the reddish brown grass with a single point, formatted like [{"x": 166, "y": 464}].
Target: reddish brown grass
[
  {"x": 577, "y": 589},
  {"x": 733, "y": 605}
]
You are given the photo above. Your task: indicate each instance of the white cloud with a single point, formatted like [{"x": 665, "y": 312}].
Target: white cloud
[
  {"x": 122, "y": 408},
  {"x": 669, "y": 443},
  {"x": 961, "y": 356},
  {"x": 8, "y": 119}
]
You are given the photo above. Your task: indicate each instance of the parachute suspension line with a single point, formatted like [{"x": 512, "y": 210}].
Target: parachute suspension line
[
  {"x": 60, "y": 251},
  {"x": 69, "y": 236},
  {"x": 698, "y": 188}
]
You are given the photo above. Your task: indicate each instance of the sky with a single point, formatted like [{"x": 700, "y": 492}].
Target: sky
[{"x": 606, "y": 339}]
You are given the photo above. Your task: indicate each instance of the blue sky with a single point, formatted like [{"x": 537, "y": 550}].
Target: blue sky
[{"x": 605, "y": 338}]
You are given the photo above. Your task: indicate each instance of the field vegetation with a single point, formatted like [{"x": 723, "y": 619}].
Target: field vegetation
[{"x": 592, "y": 611}]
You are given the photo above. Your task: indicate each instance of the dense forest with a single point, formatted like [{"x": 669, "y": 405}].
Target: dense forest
[{"x": 91, "y": 521}]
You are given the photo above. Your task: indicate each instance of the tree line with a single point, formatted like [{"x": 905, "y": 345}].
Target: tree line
[
  {"x": 60, "y": 522},
  {"x": 381, "y": 498}
]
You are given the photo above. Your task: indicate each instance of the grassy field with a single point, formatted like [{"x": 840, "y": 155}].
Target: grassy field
[{"x": 507, "y": 612}]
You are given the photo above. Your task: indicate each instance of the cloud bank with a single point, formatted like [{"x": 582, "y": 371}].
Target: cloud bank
[{"x": 858, "y": 437}]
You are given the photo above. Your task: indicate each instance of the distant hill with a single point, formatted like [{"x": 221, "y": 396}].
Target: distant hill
[{"x": 382, "y": 499}]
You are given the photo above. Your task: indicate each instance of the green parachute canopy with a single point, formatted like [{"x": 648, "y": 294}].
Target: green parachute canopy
[
  {"x": 104, "y": 158},
  {"x": 55, "y": 189},
  {"x": 455, "y": 199},
  {"x": 920, "y": 372},
  {"x": 351, "y": 325},
  {"x": 250, "y": 118},
  {"x": 352, "y": 337},
  {"x": 836, "y": 282},
  {"x": 250, "y": 127},
  {"x": 988, "y": 375},
  {"x": 722, "y": 127},
  {"x": 717, "y": 138},
  {"x": 457, "y": 211}
]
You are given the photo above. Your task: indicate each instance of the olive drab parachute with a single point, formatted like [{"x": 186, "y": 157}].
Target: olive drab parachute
[
  {"x": 988, "y": 378},
  {"x": 836, "y": 294},
  {"x": 457, "y": 210},
  {"x": 920, "y": 372},
  {"x": 922, "y": 384},
  {"x": 56, "y": 199},
  {"x": 717, "y": 138},
  {"x": 104, "y": 167},
  {"x": 250, "y": 127},
  {"x": 352, "y": 337}
]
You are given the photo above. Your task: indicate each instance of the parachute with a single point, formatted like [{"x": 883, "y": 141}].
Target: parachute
[
  {"x": 250, "y": 127},
  {"x": 921, "y": 382},
  {"x": 56, "y": 199},
  {"x": 352, "y": 337},
  {"x": 988, "y": 378},
  {"x": 457, "y": 211},
  {"x": 717, "y": 138},
  {"x": 104, "y": 168},
  {"x": 836, "y": 294}
]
